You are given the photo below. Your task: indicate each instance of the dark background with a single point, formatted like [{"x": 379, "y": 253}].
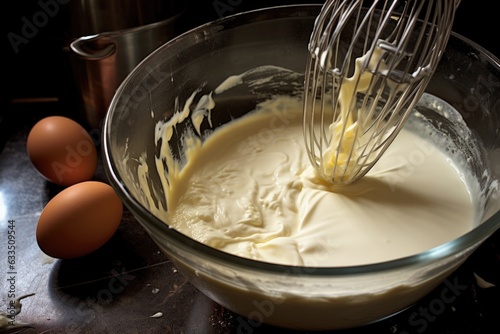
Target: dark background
[{"x": 39, "y": 69}]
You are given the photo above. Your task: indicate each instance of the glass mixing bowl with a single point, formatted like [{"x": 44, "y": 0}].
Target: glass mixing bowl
[{"x": 468, "y": 79}]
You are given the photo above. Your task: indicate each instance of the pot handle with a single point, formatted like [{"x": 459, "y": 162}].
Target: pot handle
[{"x": 94, "y": 47}]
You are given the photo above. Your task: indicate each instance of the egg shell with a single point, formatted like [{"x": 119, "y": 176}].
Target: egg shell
[
  {"x": 62, "y": 151},
  {"x": 79, "y": 220}
]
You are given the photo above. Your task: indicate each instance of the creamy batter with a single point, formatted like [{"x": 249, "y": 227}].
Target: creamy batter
[
  {"x": 250, "y": 190},
  {"x": 339, "y": 160}
]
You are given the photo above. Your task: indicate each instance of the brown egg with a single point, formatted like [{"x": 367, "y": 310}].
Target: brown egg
[
  {"x": 79, "y": 220},
  {"x": 62, "y": 151}
]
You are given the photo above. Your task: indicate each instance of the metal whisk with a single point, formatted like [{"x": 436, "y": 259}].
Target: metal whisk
[{"x": 367, "y": 67}]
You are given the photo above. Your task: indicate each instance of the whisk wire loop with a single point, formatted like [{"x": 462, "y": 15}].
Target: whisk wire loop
[{"x": 367, "y": 67}]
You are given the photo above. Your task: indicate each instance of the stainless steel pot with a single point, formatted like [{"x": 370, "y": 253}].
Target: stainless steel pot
[{"x": 111, "y": 38}]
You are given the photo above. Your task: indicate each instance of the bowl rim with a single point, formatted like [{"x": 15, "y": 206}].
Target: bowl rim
[{"x": 464, "y": 243}]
